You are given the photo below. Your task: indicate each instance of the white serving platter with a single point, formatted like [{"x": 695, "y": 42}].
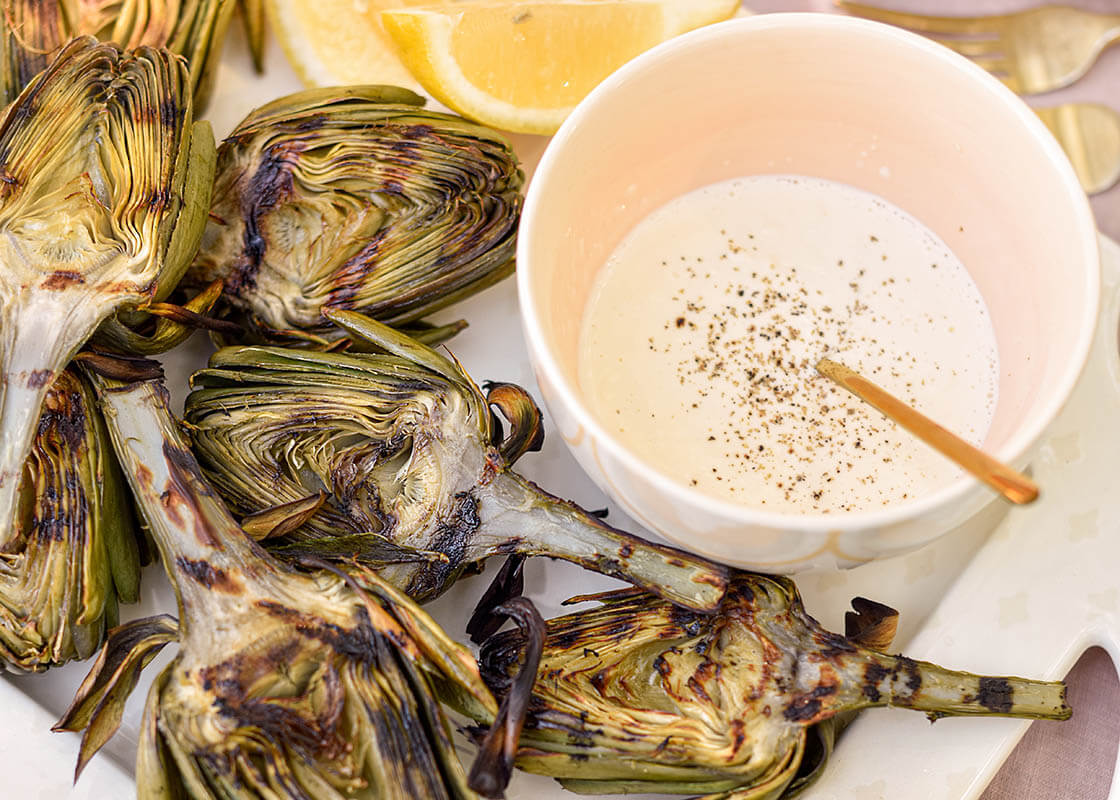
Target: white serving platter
[{"x": 1024, "y": 591}]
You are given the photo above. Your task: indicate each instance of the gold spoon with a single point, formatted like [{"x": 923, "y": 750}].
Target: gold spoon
[{"x": 1011, "y": 483}]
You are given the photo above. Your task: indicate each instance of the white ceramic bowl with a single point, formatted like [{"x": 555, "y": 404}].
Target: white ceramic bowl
[{"x": 846, "y": 100}]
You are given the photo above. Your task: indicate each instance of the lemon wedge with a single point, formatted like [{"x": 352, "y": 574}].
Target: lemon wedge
[
  {"x": 523, "y": 65},
  {"x": 340, "y": 42}
]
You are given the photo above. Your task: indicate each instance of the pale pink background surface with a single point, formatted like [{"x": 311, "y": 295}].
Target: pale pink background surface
[{"x": 1056, "y": 760}]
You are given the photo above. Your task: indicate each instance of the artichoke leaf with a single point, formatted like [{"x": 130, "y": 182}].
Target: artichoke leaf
[
  {"x": 401, "y": 441},
  {"x": 253, "y": 19},
  {"x": 526, "y": 423},
  {"x": 98, "y": 706},
  {"x": 98, "y": 143},
  {"x": 282, "y": 519}
]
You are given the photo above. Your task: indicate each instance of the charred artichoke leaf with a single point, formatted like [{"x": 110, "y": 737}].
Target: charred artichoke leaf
[
  {"x": 357, "y": 198},
  {"x": 100, "y": 187},
  {"x": 100, "y": 701},
  {"x": 74, "y": 551},
  {"x": 497, "y": 749},
  {"x": 401, "y": 442},
  {"x": 286, "y": 684},
  {"x": 34, "y": 30},
  {"x": 636, "y": 695}
]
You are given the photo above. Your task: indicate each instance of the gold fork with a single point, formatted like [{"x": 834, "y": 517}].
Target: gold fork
[
  {"x": 1090, "y": 135},
  {"x": 1031, "y": 51}
]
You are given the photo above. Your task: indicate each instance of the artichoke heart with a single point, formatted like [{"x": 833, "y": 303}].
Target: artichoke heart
[
  {"x": 357, "y": 198},
  {"x": 104, "y": 183},
  {"x": 308, "y": 685},
  {"x": 32, "y": 31},
  {"x": 74, "y": 554},
  {"x": 401, "y": 447},
  {"x": 635, "y": 695}
]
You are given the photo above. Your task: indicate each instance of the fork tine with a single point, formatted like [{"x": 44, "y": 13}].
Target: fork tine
[
  {"x": 925, "y": 23},
  {"x": 1012, "y": 82},
  {"x": 975, "y": 49}
]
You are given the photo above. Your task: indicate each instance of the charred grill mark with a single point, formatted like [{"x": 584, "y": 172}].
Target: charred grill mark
[
  {"x": 169, "y": 112},
  {"x": 159, "y": 199},
  {"x": 996, "y": 695},
  {"x": 62, "y": 279},
  {"x": 831, "y": 646},
  {"x": 311, "y": 123},
  {"x": 410, "y": 143},
  {"x": 618, "y": 629},
  {"x": 317, "y": 736},
  {"x": 62, "y": 503},
  {"x": 51, "y": 523},
  {"x": 739, "y": 594},
  {"x": 359, "y": 643},
  {"x": 183, "y": 483},
  {"x": 914, "y": 675},
  {"x": 348, "y": 279},
  {"x": 873, "y": 675},
  {"x": 37, "y": 379},
  {"x": 451, "y": 537},
  {"x": 805, "y": 707},
  {"x": 183, "y": 466},
  {"x": 738, "y": 735},
  {"x": 231, "y": 674},
  {"x": 689, "y": 622},
  {"x": 698, "y": 689},
  {"x": 63, "y": 418},
  {"x": 708, "y": 670},
  {"x": 143, "y": 475},
  {"x": 567, "y": 638},
  {"x": 208, "y": 575},
  {"x": 267, "y": 188}
]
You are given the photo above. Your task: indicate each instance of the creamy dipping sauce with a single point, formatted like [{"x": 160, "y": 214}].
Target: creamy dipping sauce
[{"x": 702, "y": 330}]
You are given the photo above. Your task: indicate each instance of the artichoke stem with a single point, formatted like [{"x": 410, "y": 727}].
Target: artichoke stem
[
  {"x": 39, "y": 332},
  {"x": 536, "y": 523},
  {"x": 204, "y": 551},
  {"x": 919, "y": 685}
]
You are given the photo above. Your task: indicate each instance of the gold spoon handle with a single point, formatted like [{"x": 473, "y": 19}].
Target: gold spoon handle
[{"x": 1011, "y": 483}]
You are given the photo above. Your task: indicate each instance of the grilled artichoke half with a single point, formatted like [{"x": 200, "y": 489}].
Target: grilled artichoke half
[
  {"x": 34, "y": 30},
  {"x": 357, "y": 198},
  {"x": 310, "y": 685},
  {"x": 396, "y": 454},
  {"x": 104, "y": 185},
  {"x": 74, "y": 553},
  {"x": 636, "y": 695}
]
